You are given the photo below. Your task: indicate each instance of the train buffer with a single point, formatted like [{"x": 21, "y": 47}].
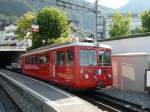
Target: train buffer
[{"x": 51, "y": 98}]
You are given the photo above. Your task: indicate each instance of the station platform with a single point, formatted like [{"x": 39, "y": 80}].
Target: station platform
[{"x": 59, "y": 100}]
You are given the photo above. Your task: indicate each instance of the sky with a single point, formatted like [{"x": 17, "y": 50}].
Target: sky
[{"x": 111, "y": 3}]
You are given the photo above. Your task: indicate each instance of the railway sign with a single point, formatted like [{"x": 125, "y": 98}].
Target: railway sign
[
  {"x": 147, "y": 80},
  {"x": 35, "y": 28}
]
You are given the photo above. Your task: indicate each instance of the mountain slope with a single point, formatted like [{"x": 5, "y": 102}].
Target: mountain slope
[
  {"x": 136, "y": 6},
  {"x": 13, "y": 7},
  {"x": 19, "y": 7}
]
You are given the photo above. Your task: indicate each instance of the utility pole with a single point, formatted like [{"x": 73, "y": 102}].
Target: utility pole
[
  {"x": 35, "y": 9},
  {"x": 35, "y": 27}
]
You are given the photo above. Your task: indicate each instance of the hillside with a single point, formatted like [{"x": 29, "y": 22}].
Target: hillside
[
  {"x": 13, "y": 7},
  {"x": 19, "y": 7}
]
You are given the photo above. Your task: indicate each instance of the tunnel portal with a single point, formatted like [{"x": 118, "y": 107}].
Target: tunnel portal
[{"x": 7, "y": 57}]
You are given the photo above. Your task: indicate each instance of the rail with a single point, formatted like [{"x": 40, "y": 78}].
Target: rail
[
  {"x": 103, "y": 106},
  {"x": 117, "y": 103}
]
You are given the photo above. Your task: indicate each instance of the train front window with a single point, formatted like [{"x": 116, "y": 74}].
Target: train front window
[
  {"x": 88, "y": 58},
  {"x": 104, "y": 58}
]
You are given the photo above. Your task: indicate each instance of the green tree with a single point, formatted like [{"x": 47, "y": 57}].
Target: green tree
[
  {"x": 145, "y": 16},
  {"x": 24, "y": 26},
  {"x": 139, "y": 30},
  {"x": 53, "y": 24},
  {"x": 120, "y": 25}
]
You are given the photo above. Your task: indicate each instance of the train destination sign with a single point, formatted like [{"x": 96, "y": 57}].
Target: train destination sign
[{"x": 35, "y": 28}]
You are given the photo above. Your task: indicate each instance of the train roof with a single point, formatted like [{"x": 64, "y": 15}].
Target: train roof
[{"x": 56, "y": 46}]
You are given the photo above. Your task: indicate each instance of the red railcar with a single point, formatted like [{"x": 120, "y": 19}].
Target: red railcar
[{"x": 77, "y": 65}]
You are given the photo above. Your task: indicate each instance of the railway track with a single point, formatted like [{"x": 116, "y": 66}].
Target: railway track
[
  {"x": 2, "y": 108},
  {"x": 99, "y": 104},
  {"x": 111, "y": 104},
  {"x": 7, "y": 104}
]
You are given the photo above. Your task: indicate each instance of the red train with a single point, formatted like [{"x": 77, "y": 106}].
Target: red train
[{"x": 78, "y": 65}]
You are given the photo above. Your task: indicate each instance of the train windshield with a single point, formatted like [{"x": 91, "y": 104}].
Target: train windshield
[
  {"x": 104, "y": 58},
  {"x": 88, "y": 58}
]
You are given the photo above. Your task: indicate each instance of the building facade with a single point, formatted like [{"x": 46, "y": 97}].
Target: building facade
[{"x": 104, "y": 24}]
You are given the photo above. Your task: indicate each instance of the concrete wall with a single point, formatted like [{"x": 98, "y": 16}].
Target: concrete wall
[
  {"x": 130, "y": 45},
  {"x": 129, "y": 70}
]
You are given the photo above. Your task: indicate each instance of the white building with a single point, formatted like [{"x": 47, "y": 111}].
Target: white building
[{"x": 8, "y": 37}]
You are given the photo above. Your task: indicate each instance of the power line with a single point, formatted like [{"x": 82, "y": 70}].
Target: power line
[{"x": 70, "y": 5}]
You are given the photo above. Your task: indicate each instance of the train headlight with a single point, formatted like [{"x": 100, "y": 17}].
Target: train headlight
[
  {"x": 95, "y": 78},
  {"x": 109, "y": 76},
  {"x": 105, "y": 78},
  {"x": 86, "y": 76},
  {"x": 81, "y": 71},
  {"x": 99, "y": 72}
]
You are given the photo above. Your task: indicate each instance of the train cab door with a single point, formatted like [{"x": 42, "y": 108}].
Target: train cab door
[
  {"x": 60, "y": 66},
  {"x": 53, "y": 65},
  {"x": 70, "y": 64}
]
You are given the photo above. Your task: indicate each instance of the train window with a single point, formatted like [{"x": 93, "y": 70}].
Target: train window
[
  {"x": 60, "y": 58},
  {"x": 69, "y": 56},
  {"x": 26, "y": 60},
  {"x": 47, "y": 59},
  {"x": 88, "y": 58},
  {"x": 32, "y": 60},
  {"x": 44, "y": 59},
  {"x": 105, "y": 58},
  {"x": 36, "y": 60}
]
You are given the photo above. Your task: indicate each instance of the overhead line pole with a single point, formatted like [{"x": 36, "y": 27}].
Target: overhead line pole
[
  {"x": 96, "y": 13},
  {"x": 95, "y": 10},
  {"x": 35, "y": 9},
  {"x": 77, "y": 5}
]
